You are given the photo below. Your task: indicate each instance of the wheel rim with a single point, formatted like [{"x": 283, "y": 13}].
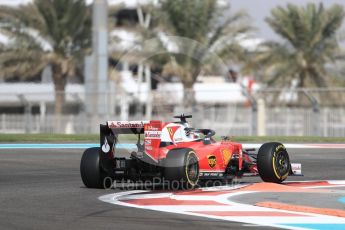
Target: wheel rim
[
  {"x": 282, "y": 163},
  {"x": 192, "y": 169}
]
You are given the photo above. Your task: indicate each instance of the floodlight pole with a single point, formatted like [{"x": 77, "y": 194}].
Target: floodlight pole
[{"x": 96, "y": 74}]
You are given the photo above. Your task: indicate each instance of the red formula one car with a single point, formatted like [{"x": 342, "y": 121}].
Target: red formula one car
[{"x": 175, "y": 152}]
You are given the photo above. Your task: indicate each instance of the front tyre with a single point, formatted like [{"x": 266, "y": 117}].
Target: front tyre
[
  {"x": 91, "y": 173},
  {"x": 182, "y": 168},
  {"x": 273, "y": 162}
]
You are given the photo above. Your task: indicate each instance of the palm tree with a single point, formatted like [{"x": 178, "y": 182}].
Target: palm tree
[
  {"x": 203, "y": 36},
  {"x": 42, "y": 33},
  {"x": 310, "y": 43}
]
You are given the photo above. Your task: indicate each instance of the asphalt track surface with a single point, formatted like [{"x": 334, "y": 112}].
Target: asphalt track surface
[{"x": 42, "y": 189}]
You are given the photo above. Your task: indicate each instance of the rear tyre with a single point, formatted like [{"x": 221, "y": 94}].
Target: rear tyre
[
  {"x": 90, "y": 170},
  {"x": 273, "y": 162},
  {"x": 182, "y": 169}
]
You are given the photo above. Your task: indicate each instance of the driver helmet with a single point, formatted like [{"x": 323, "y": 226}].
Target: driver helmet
[{"x": 191, "y": 134}]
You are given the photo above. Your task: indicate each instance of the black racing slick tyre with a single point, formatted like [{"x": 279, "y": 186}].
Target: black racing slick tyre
[
  {"x": 90, "y": 170},
  {"x": 182, "y": 169},
  {"x": 273, "y": 162}
]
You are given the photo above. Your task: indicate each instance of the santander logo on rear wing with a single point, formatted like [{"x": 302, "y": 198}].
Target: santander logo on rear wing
[
  {"x": 151, "y": 129},
  {"x": 127, "y": 124}
]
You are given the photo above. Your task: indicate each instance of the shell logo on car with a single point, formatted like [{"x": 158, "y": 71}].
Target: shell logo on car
[{"x": 212, "y": 160}]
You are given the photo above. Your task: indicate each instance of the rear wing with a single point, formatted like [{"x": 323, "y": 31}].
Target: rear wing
[
  {"x": 148, "y": 146},
  {"x": 110, "y": 131},
  {"x": 108, "y": 138}
]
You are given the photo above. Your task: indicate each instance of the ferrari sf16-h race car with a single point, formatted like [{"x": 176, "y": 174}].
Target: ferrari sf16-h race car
[{"x": 173, "y": 151}]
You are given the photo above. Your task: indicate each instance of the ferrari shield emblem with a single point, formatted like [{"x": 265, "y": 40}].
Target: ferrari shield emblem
[
  {"x": 171, "y": 132},
  {"x": 226, "y": 155}
]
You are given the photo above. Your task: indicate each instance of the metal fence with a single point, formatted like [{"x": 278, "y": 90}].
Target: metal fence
[{"x": 286, "y": 112}]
